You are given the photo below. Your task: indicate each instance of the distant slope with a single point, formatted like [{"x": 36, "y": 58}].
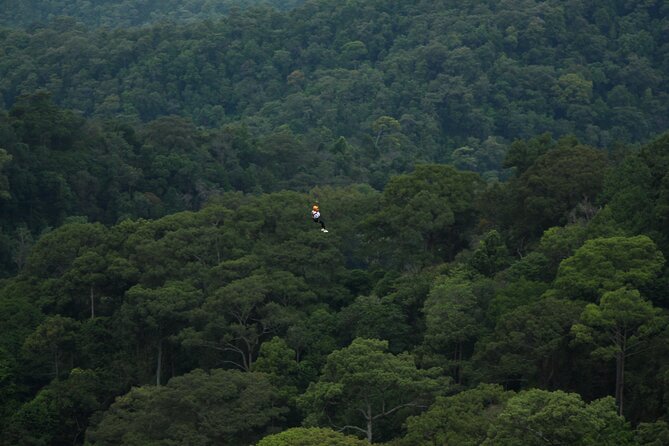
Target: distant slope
[
  {"x": 124, "y": 13},
  {"x": 456, "y": 77}
]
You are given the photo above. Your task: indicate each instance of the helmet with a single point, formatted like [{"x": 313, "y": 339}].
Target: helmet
[{"x": 315, "y": 208}]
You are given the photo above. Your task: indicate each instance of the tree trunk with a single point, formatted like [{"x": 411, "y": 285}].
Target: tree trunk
[
  {"x": 459, "y": 366},
  {"x": 55, "y": 362},
  {"x": 620, "y": 380},
  {"x": 159, "y": 362},
  {"x": 378, "y": 138},
  {"x": 92, "y": 303},
  {"x": 551, "y": 371},
  {"x": 369, "y": 422}
]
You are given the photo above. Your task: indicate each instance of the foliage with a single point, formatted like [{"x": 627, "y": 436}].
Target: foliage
[
  {"x": 527, "y": 347},
  {"x": 362, "y": 384},
  {"x": 491, "y": 255},
  {"x": 621, "y": 323},
  {"x": 4, "y": 182},
  {"x": 313, "y": 436},
  {"x": 637, "y": 192},
  {"x": 60, "y": 412},
  {"x": 129, "y": 13},
  {"x": 462, "y": 419},
  {"x": 428, "y": 81},
  {"x": 433, "y": 207},
  {"x": 374, "y": 318},
  {"x": 652, "y": 434},
  {"x": 538, "y": 417},
  {"x": 606, "y": 264},
  {"x": 207, "y": 408},
  {"x": 557, "y": 187},
  {"x": 453, "y": 320},
  {"x": 158, "y": 161}
]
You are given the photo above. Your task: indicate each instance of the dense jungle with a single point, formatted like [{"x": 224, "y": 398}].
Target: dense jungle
[{"x": 493, "y": 174}]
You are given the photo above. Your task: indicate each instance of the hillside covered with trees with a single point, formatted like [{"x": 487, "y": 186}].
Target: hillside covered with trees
[
  {"x": 126, "y": 13},
  {"x": 465, "y": 75},
  {"x": 494, "y": 176}
]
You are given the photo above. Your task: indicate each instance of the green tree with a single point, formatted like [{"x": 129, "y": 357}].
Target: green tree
[
  {"x": 372, "y": 317},
  {"x": 53, "y": 341},
  {"x": 572, "y": 88},
  {"x": 23, "y": 244},
  {"x": 606, "y": 264},
  {"x": 4, "y": 182},
  {"x": 362, "y": 384},
  {"x": 384, "y": 127},
  {"x": 432, "y": 208},
  {"x": 54, "y": 252},
  {"x": 35, "y": 422},
  {"x": 313, "y": 436},
  {"x": 409, "y": 291},
  {"x": 491, "y": 255},
  {"x": 89, "y": 271},
  {"x": 313, "y": 338},
  {"x": 279, "y": 363},
  {"x": 19, "y": 315},
  {"x": 60, "y": 412},
  {"x": 512, "y": 294},
  {"x": 462, "y": 419},
  {"x": 9, "y": 388},
  {"x": 277, "y": 359},
  {"x": 618, "y": 327},
  {"x": 560, "y": 242},
  {"x": 529, "y": 345},
  {"x": 564, "y": 179},
  {"x": 238, "y": 317},
  {"x": 354, "y": 50},
  {"x": 652, "y": 434},
  {"x": 521, "y": 154},
  {"x": 538, "y": 417},
  {"x": 637, "y": 191},
  {"x": 158, "y": 315},
  {"x": 533, "y": 267},
  {"x": 219, "y": 407},
  {"x": 453, "y": 320}
]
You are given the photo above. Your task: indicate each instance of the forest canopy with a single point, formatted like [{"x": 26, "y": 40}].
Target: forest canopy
[
  {"x": 125, "y": 13},
  {"x": 494, "y": 179},
  {"x": 443, "y": 81}
]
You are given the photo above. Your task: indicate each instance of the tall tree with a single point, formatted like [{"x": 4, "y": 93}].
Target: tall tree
[
  {"x": 606, "y": 264},
  {"x": 453, "y": 320},
  {"x": 537, "y": 418},
  {"x": 637, "y": 192},
  {"x": 238, "y": 317},
  {"x": 206, "y": 408},
  {"x": 550, "y": 192},
  {"x": 619, "y": 327},
  {"x": 462, "y": 419},
  {"x": 491, "y": 255},
  {"x": 158, "y": 315},
  {"x": 433, "y": 208},
  {"x": 53, "y": 341},
  {"x": 313, "y": 436},
  {"x": 88, "y": 272},
  {"x": 529, "y": 346},
  {"x": 60, "y": 412},
  {"x": 371, "y": 317},
  {"x": 361, "y": 384},
  {"x": 4, "y": 183}
]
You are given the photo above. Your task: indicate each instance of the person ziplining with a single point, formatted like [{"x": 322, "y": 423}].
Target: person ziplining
[{"x": 316, "y": 216}]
